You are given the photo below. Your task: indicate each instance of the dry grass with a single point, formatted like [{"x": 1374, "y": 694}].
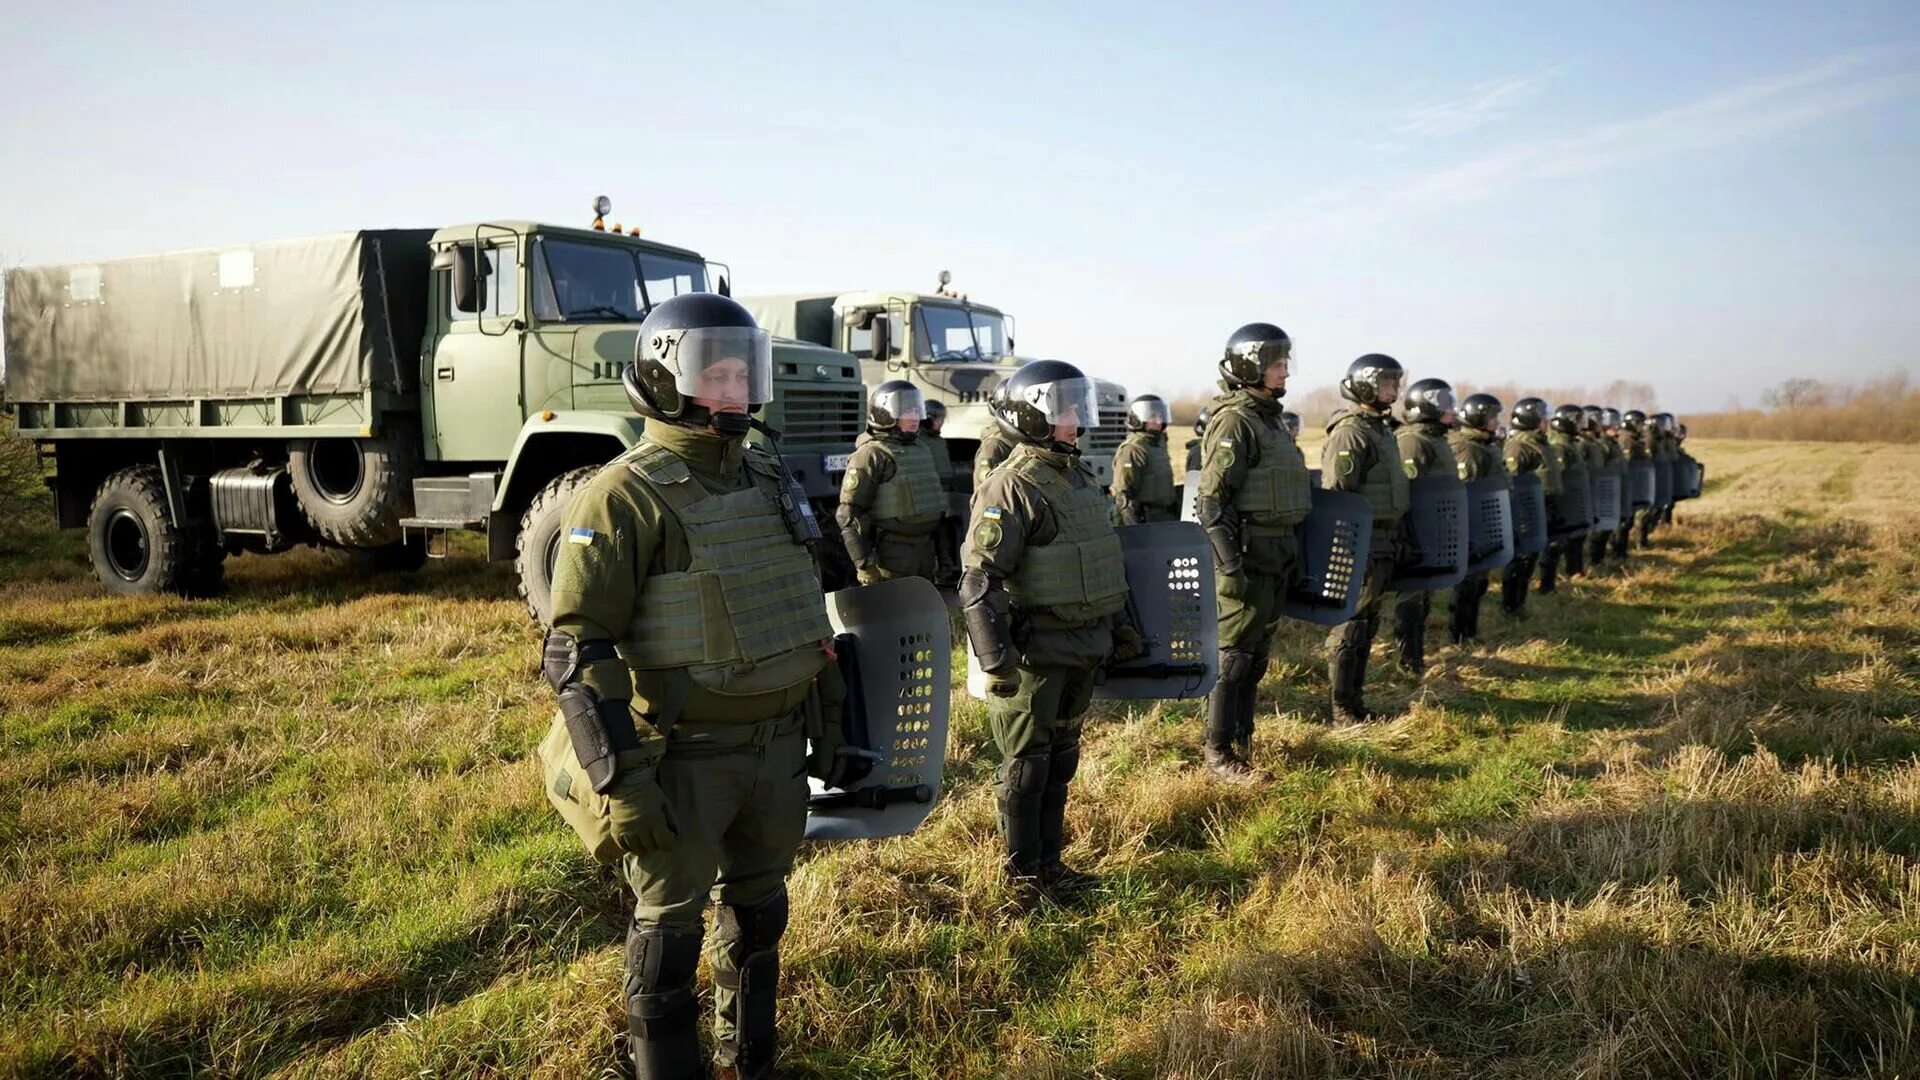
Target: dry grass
[{"x": 1667, "y": 828}]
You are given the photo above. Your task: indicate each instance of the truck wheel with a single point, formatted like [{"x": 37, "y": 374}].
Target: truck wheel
[
  {"x": 137, "y": 548},
  {"x": 355, "y": 491},
  {"x": 539, "y": 540}
]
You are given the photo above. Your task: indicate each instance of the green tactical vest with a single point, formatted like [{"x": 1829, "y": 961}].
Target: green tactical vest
[
  {"x": 747, "y": 616},
  {"x": 912, "y": 502},
  {"x": 1277, "y": 493},
  {"x": 1573, "y": 458},
  {"x": 942, "y": 457},
  {"x": 1439, "y": 455},
  {"x": 1081, "y": 576},
  {"x": 1549, "y": 470},
  {"x": 1155, "y": 488},
  {"x": 1385, "y": 484},
  {"x": 1477, "y": 458}
]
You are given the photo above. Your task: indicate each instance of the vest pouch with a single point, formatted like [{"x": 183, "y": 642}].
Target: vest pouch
[{"x": 585, "y": 811}]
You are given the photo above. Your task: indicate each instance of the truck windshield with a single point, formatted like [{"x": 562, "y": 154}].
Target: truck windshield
[
  {"x": 586, "y": 282},
  {"x": 948, "y": 332}
]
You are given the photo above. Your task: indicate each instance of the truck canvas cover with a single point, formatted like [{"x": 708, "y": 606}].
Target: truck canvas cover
[{"x": 320, "y": 315}]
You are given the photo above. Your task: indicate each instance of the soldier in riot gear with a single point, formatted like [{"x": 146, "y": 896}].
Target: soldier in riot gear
[
  {"x": 1199, "y": 434},
  {"x": 1043, "y": 596},
  {"x": 1253, "y": 491},
  {"x": 1623, "y": 454},
  {"x": 1476, "y": 455},
  {"x": 689, "y": 633},
  {"x": 995, "y": 445},
  {"x": 1639, "y": 441},
  {"x": 1603, "y": 459},
  {"x": 1142, "y": 473},
  {"x": 1361, "y": 456},
  {"x": 1527, "y": 451},
  {"x": 1424, "y": 452},
  {"x": 891, "y": 500},
  {"x": 1564, "y": 439},
  {"x": 946, "y": 535},
  {"x": 1666, "y": 447}
]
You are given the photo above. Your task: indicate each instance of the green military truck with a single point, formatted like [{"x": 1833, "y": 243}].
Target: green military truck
[
  {"x": 954, "y": 350},
  {"x": 372, "y": 391}
]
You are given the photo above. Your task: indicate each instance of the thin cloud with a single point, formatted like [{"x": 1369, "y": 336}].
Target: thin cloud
[
  {"x": 1752, "y": 110},
  {"x": 1479, "y": 106}
]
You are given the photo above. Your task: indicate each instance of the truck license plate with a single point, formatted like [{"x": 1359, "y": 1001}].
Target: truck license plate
[{"x": 837, "y": 462}]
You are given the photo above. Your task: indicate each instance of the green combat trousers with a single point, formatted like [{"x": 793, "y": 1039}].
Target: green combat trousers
[{"x": 1038, "y": 733}]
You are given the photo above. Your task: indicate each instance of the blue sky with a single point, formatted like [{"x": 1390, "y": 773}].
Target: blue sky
[{"x": 1711, "y": 198}]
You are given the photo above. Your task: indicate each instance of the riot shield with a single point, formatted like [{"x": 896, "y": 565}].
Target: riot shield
[
  {"x": 1663, "y": 483},
  {"x": 1606, "y": 502},
  {"x": 1170, "y": 596},
  {"x": 1641, "y": 482},
  {"x": 1529, "y": 514},
  {"x": 1489, "y": 524},
  {"x": 1437, "y": 523},
  {"x": 1188, "y": 492},
  {"x": 899, "y": 700},
  {"x": 1686, "y": 483},
  {"x": 1571, "y": 511},
  {"x": 1335, "y": 540}
]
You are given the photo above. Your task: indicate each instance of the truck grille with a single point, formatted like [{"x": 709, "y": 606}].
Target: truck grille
[
  {"x": 1112, "y": 431},
  {"x": 827, "y": 419}
]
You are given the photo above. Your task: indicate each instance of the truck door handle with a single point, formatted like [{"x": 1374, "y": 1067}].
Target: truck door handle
[{"x": 444, "y": 374}]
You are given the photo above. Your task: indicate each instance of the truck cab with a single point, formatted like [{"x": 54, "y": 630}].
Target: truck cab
[{"x": 953, "y": 349}]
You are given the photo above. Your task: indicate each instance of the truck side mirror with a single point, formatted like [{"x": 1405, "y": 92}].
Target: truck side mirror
[
  {"x": 469, "y": 280},
  {"x": 882, "y": 329},
  {"x": 726, "y": 287}
]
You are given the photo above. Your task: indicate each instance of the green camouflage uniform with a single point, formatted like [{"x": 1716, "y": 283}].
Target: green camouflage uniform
[
  {"x": 1603, "y": 459},
  {"x": 1424, "y": 452},
  {"x": 1142, "y": 486},
  {"x": 677, "y": 553},
  {"x": 946, "y": 536},
  {"x": 1527, "y": 452},
  {"x": 1573, "y": 470},
  {"x": 891, "y": 502},
  {"x": 1361, "y": 456},
  {"x": 995, "y": 446},
  {"x": 1477, "y": 456},
  {"x": 1632, "y": 448}
]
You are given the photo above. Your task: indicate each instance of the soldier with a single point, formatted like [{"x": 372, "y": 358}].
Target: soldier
[
  {"x": 1043, "y": 597},
  {"x": 1527, "y": 451},
  {"x": 1142, "y": 474},
  {"x": 890, "y": 498},
  {"x": 995, "y": 445},
  {"x": 1424, "y": 452},
  {"x": 1603, "y": 459},
  {"x": 1565, "y": 443},
  {"x": 1477, "y": 454},
  {"x": 1360, "y": 455},
  {"x": 1292, "y": 421},
  {"x": 1640, "y": 448},
  {"x": 1253, "y": 491},
  {"x": 1666, "y": 447},
  {"x": 1623, "y": 446},
  {"x": 946, "y": 535},
  {"x": 684, "y": 597},
  {"x": 1199, "y": 433}
]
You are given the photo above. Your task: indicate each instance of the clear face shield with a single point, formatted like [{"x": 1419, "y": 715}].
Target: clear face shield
[
  {"x": 1149, "y": 413},
  {"x": 1439, "y": 401},
  {"x": 907, "y": 407},
  {"x": 1595, "y": 419},
  {"x": 725, "y": 368},
  {"x": 1065, "y": 402}
]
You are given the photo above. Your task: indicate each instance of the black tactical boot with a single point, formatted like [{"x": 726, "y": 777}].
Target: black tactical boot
[
  {"x": 1063, "y": 762},
  {"x": 1410, "y": 631},
  {"x": 663, "y": 1015},
  {"x": 1549, "y": 569},
  {"x": 1023, "y": 782},
  {"x": 1347, "y": 671},
  {"x": 1229, "y": 767}
]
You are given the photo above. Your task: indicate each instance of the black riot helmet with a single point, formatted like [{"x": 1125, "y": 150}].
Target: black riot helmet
[
  {"x": 1611, "y": 420},
  {"x": 936, "y": 414},
  {"x": 1200, "y": 421},
  {"x": 1251, "y": 350},
  {"x": 700, "y": 345},
  {"x": 894, "y": 401},
  {"x": 1292, "y": 420},
  {"x": 1593, "y": 418},
  {"x": 1529, "y": 413},
  {"x": 1146, "y": 409},
  {"x": 1042, "y": 394},
  {"x": 1634, "y": 420},
  {"x": 1368, "y": 376},
  {"x": 1663, "y": 423},
  {"x": 1480, "y": 411},
  {"x": 1568, "y": 418},
  {"x": 1428, "y": 401}
]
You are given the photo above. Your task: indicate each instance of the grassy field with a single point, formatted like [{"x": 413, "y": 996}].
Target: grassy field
[{"x": 1667, "y": 828}]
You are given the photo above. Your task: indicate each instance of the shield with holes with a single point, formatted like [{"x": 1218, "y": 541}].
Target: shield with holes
[
  {"x": 1170, "y": 596},
  {"x": 898, "y": 692},
  {"x": 1570, "y": 512},
  {"x": 1335, "y": 539},
  {"x": 1606, "y": 501},
  {"x": 1663, "y": 483},
  {"x": 1188, "y": 491},
  {"x": 1437, "y": 529},
  {"x": 1642, "y": 483},
  {"x": 1489, "y": 524},
  {"x": 1529, "y": 514}
]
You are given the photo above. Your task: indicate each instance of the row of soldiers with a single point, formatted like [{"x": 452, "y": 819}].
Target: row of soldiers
[{"x": 694, "y": 662}]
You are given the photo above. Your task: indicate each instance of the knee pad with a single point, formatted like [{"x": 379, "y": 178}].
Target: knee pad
[
  {"x": 661, "y": 962},
  {"x": 1238, "y": 666},
  {"x": 752, "y": 928},
  {"x": 1063, "y": 762},
  {"x": 1025, "y": 777}
]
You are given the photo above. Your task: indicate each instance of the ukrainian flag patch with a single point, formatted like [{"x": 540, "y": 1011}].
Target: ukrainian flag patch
[
  {"x": 580, "y": 536},
  {"x": 991, "y": 513}
]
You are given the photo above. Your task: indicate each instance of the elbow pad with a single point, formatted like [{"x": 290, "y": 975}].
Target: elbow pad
[
  {"x": 599, "y": 730},
  {"x": 989, "y": 629}
]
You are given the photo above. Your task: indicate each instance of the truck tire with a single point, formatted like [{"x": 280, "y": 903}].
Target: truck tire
[
  {"x": 136, "y": 546},
  {"x": 355, "y": 491},
  {"x": 539, "y": 539}
]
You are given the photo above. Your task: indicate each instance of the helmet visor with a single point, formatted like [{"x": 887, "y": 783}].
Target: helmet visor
[
  {"x": 901, "y": 404},
  {"x": 724, "y": 365},
  {"x": 1064, "y": 400},
  {"x": 1439, "y": 399},
  {"x": 1146, "y": 412}
]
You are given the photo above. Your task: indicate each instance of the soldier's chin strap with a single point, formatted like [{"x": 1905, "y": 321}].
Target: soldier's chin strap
[
  {"x": 984, "y": 607},
  {"x": 599, "y": 730}
]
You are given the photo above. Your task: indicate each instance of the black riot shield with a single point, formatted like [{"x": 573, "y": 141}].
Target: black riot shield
[
  {"x": 1529, "y": 514},
  {"x": 898, "y": 697},
  {"x": 1438, "y": 526},
  {"x": 1572, "y": 511},
  {"x": 1335, "y": 540},
  {"x": 1171, "y": 599},
  {"x": 1686, "y": 483},
  {"x": 1188, "y": 492},
  {"x": 1641, "y": 483},
  {"x": 1606, "y": 501},
  {"x": 1489, "y": 524},
  {"x": 1663, "y": 483}
]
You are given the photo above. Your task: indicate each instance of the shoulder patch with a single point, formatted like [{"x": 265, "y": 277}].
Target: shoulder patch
[
  {"x": 1513, "y": 463},
  {"x": 580, "y": 536},
  {"x": 853, "y": 479},
  {"x": 1413, "y": 469},
  {"x": 1223, "y": 455},
  {"x": 1347, "y": 464},
  {"x": 991, "y": 513},
  {"x": 1461, "y": 468},
  {"x": 987, "y": 535}
]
